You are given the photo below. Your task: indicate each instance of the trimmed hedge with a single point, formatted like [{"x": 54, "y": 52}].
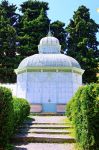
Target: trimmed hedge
[
  {"x": 21, "y": 110},
  {"x": 13, "y": 111},
  {"x": 83, "y": 111},
  {"x": 6, "y": 115}
]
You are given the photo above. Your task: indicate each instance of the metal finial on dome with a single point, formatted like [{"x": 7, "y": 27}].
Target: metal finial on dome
[{"x": 49, "y": 32}]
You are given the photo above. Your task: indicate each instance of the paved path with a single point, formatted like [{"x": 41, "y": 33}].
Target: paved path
[{"x": 52, "y": 137}]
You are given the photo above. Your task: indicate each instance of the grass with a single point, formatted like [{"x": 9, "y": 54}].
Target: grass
[
  {"x": 72, "y": 133},
  {"x": 71, "y": 130},
  {"x": 66, "y": 120},
  {"x": 29, "y": 118}
]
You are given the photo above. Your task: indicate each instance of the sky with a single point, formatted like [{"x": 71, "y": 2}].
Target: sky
[{"x": 63, "y": 10}]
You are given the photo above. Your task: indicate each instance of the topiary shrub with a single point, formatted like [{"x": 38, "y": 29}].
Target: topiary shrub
[
  {"x": 72, "y": 107},
  {"x": 6, "y": 116},
  {"x": 83, "y": 110},
  {"x": 13, "y": 111},
  {"x": 21, "y": 110}
]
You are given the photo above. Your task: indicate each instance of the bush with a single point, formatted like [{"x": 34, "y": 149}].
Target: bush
[
  {"x": 13, "y": 111},
  {"x": 6, "y": 116},
  {"x": 83, "y": 110},
  {"x": 21, "y": 110}
]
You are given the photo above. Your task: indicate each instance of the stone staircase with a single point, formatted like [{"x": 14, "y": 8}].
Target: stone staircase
[{"x": 43, "y": 130}]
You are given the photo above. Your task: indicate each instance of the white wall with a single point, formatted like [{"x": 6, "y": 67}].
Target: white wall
[
  {"x": 77, "y": 81},
  {"x": 21, "y": 85}
]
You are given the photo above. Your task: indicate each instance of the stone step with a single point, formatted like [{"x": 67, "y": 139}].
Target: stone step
[
  {"x": 47, "y": 119},
  {"x": 46, "y": 126},
  {"x": 45, "y": 131},
  {"x": 45, "y": 123},
  {"x": 44, "y": 146},
  {"x": 43, "y": 138},
  {"x": 47, "y": 114}
]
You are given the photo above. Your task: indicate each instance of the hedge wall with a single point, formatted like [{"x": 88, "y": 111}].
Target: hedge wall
[
  {"x": 21, "y": 110},
  {"x": 83, "y": 111},
  {"x": 13, "y": 111},
  {"x": 6, "y": 115}
]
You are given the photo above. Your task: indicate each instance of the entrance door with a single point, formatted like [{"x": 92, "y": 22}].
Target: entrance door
[
  {"x": 49, "y": 97},
  {"x": 49, "y": 107}
]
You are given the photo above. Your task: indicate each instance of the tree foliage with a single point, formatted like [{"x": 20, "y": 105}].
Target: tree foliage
[
  {"x": 7, "y": 48},
  {"x": 33, "y": 8},
  {"x": 31, "y": 31},
  {"x": 82, "y": 42},
  {"x": 35, "y": 25},
  {"x": 10, "y": 10},
  {"x": 59, "y": 32}
]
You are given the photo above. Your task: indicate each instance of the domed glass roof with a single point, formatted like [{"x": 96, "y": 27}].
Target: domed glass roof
[
  {"x": 49, "y": 41},
  {"x": 53, "y": 60},
  {"x": 49, "y": 44},
  {"x": 49, "y": 55}
]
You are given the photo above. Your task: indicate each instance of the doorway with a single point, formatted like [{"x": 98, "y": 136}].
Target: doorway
[{"x": 49, "y": 107}]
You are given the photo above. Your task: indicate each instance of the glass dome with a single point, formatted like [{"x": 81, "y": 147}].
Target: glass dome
[
  {"x": 49, "y": 55},
  {"x": 49, "y": 40},
  {"x": 49, "y": 44},
  {"x": 50, "y": 60}
]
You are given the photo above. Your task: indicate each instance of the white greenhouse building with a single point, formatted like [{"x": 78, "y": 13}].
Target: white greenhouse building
[{"x": 49, "y": 79}]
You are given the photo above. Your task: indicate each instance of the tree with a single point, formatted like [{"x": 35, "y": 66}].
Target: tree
[
  {"x": 33, "y": 27},
  {"x": 59, "y": 32},
  {"x": 8, "y": 35},
  {"x": 7, "y": 49},
  {"x": 20, "y": 34},
  {"x": 82, "y": 42},
  {"x": 10, "y": 12},
  {"x": 33, "y": 8}
]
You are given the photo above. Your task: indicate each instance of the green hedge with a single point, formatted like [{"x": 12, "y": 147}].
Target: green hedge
[
  {"x": 21, "y": 110},
  {"x": 6, "y": 115},
  {"x": 83, "y": 111},
  {"x": 13, "y": 111}
]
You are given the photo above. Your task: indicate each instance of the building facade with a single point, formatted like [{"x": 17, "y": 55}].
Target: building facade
[{"x": 48, "y": 80}]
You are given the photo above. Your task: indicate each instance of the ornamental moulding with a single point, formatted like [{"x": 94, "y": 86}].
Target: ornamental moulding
[{"x": 50, "y": 69}]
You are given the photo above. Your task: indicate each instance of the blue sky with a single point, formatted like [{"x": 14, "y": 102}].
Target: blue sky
[{"x": 63, "y": 10}]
